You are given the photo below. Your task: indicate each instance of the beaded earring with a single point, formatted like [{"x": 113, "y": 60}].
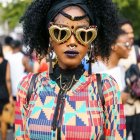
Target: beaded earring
[
  {"x": 91, "y": 59},
  {"x": 50, "y": 59}
]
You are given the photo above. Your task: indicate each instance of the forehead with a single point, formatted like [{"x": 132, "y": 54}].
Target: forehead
[
  {"x": 123, "y": 38},
  {"x": 127, "y": 28},
  {"x": 73, "y": 11}
]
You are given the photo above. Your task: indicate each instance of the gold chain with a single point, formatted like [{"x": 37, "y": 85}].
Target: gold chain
[{"x": 67, "y": 87}]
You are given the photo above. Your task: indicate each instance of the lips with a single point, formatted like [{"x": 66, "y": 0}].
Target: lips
[{"x": 71, "y": 53}]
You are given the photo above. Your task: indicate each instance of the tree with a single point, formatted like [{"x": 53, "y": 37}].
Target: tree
[
  {"x": 13, "y": 12},
  {"x": 130, "y": 9}
]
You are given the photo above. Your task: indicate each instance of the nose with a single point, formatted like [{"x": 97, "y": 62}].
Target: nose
[
  {"x": 72, "y": 40},
  {"x": 131, "y": 37}
]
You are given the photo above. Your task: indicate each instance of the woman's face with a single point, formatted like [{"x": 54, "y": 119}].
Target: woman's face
[
  {"x": 71, "y": 52},
  {"x": 123, "y": 46},
  {"x": 129, "y": 30}
]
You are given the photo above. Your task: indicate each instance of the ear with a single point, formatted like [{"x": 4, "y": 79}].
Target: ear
[
  {"x": 114, "y": 47},
  {"x": 50, "y": 44},
  {"x": 50, "y": 40}
]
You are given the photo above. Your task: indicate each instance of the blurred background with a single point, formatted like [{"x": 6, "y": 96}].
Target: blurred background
[{"x": 12, "y": 10}]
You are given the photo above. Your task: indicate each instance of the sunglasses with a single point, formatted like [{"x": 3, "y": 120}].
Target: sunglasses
[
  {"x": 60, "y": 34},
  {"x": 126, "y": 44}
]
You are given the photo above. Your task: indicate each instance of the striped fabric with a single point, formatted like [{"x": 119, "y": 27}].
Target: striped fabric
[{"x": 83, "y": 118}]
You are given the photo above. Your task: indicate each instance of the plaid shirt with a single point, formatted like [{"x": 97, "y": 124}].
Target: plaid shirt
[{"x": 83, "y": 118}]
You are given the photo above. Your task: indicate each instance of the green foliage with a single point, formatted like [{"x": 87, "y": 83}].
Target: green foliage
[
  {"x": 130, "y": 9},
  {"x": 13, "y": 12}
]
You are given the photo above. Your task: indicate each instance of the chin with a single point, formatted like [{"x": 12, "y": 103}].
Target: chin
[
  {"x": 125, "y": 57},
  {"x": 71, "y": 65}
]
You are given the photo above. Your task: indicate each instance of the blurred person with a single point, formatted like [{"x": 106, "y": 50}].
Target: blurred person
[
  {"x": 40, "y": 66},
  {"x": 7, "y": 45},
  {"x": 44, "y": 64},
  {"x": 120, "y": 49},
  {"x": 126, "y": 26},
  {"x": 5, "y": 90},
  {"x": 19, "y": 64},
  {"x": 132, "y": 104}
]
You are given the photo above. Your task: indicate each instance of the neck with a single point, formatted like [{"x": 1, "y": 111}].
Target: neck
[
  {"x": 113, "y": 61},
  {"x": 64, "y": 67},
  {"x": 16, "y": 50},
  {"x": 57, "y": 71}
]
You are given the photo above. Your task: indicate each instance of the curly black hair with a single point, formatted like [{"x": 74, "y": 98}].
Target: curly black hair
[{"x": 36, "y": 36}]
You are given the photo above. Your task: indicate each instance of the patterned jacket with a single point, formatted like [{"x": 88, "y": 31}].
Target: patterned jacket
[{"x": 83, "y": 118}]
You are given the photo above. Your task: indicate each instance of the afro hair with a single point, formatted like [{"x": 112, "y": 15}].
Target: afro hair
[{"x": 36, "y": 35}]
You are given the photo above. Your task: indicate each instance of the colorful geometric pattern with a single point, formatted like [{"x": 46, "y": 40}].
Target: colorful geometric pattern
[{"x": 83, "y": 118}]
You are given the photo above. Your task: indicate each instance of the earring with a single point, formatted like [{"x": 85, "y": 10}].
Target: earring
[
  {"x": 91, "y": 59},
  {"x": 50, "y": 55}
]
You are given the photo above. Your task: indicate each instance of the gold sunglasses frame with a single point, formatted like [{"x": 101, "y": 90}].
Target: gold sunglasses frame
[{"x": 76, "y": 32}]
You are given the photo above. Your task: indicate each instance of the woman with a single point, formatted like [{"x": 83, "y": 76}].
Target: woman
[
  {"x": 5, "y": 90},
  {"x": 65, "y": 104}
]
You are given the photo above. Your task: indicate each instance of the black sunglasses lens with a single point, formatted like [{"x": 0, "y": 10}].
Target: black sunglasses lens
[
  {"x": 56, "y": 33},
  {"x": 59, "y": 34},
  {"x": 89, "y": 35},
  {"x": 83, "y": 34},
  {"x": 63, "y": 34},
  {"x": 86, "y": 36}
]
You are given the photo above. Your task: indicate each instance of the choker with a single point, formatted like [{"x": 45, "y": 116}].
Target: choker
[{"x": 66, "y": 77}]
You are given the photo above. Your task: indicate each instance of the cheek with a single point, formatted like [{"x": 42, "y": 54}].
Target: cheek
[
  {"x": 55, "y": 46},
  {"x": 58, "y": 49},
  {"x": 84, "y": 49},
  {"x": 124, "y": 51}
]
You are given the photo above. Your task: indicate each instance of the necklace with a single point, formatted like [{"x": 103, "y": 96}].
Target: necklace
[{"x": 66, "y": 86}]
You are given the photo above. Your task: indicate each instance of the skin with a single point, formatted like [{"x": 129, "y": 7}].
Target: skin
[
  {"x": 129, "y": 30},
  {"x": 26, "y": 64},
  {"x": 63, "y": 60},
  {"x": 119, "y": 51}
]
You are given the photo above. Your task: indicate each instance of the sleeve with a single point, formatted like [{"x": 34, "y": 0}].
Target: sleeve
[
  {"x": 20, "y": 117},
  {"x": 114, "y": 126}
]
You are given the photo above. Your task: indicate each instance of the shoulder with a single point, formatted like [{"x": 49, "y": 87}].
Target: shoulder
[
  {"x": 98, "y": 67},
  {"x": 110, "y": 90},
  {"x": 24, "y": 85},
  {"x": 109, "y": 82},
  {"x": 25, "y": 82},
  {"x": 105, "y": 78},
  {"x": 5, "y": 62}
]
